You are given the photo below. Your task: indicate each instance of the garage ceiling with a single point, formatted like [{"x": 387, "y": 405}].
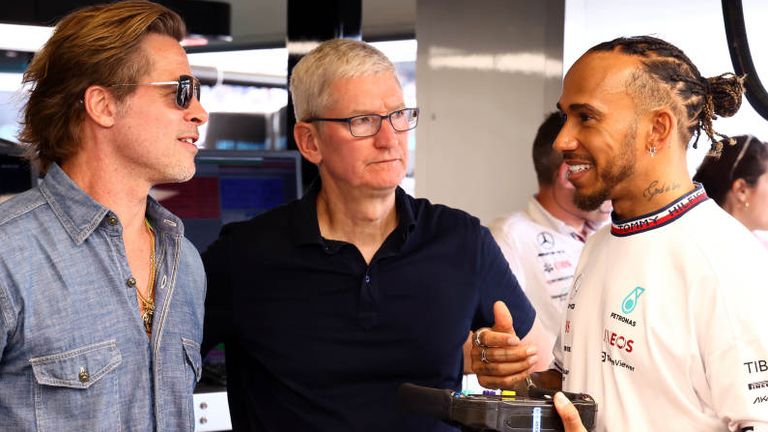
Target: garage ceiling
[{"x": 263, "y": 22}]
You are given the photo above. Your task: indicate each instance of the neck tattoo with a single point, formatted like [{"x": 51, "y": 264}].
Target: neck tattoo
[{"x": 656, "y": 188}]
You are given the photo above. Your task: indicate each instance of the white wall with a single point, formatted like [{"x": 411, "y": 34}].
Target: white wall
[{"x": 487, "y": 72}]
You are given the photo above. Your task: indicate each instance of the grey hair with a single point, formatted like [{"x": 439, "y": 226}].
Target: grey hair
[{"x": 314, "y": 74}]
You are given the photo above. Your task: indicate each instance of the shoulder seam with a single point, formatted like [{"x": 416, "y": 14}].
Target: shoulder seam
[{"x": 21, "y": 211}]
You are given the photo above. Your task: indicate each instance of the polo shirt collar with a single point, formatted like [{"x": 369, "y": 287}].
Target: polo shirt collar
[
  {"x": 405, "y": 212},
  {"x": 306, "y": 229},
  {"x": 540, "y": 215}
]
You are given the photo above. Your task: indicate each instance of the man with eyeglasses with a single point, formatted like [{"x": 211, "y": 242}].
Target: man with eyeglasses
[
  {"x": 327, "y": 304},
  {"x": 101, "y": 296}
]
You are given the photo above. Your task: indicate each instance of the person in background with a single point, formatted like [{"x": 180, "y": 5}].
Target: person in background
[
  {"x": 663, "y": 321},
  {"x": 737, "y": 179},
  {"x": 328, "y": 304},
  {"x": 101, "y": 296},
  {"x": 542, "y": 244}
]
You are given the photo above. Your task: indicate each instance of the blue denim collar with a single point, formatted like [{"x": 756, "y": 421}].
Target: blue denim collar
[
  {"x": 80, "y": 214},
  {"x": 163, "y": 220}
]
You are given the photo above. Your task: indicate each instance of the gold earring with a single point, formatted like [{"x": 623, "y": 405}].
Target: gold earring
[{"x": 746, "y": 204}]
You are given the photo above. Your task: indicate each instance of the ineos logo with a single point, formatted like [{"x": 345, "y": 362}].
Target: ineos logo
[{"x": 617, "y": 340}]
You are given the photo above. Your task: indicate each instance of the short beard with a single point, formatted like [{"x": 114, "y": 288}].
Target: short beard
[
  {"x": 591, "y": 202},
  {"x": 618, "y": 171}
]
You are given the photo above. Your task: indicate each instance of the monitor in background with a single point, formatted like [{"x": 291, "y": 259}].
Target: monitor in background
[
  {"x": 16, "y": 174},
  {"x": 230, "y": 186},
  {"x": 238, "y": 131}
]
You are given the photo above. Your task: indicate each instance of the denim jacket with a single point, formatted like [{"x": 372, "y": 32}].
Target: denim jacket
[{"x": 73, "y": 352}]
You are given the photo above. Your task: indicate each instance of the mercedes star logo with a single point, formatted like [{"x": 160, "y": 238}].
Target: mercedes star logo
[{"x": 545, "y": 240}]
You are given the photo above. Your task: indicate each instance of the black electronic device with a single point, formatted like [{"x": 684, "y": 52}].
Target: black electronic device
[{"x": 501, "y": 413}]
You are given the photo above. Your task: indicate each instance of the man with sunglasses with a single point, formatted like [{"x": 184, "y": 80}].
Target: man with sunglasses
[
  {"x": 327, "y": 304},
  {"x": 101, "y": 296}
]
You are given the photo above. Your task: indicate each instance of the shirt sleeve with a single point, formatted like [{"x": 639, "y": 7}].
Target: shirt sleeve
[
  {"x": 218, "y": 300},
  {"x": 509, "y": 249},
  {"x": 558, "y": 354},
  {"x": 498, "y": 283},
  {"x": 7, "y": 319},
  {"x": 734, "y": 347}
]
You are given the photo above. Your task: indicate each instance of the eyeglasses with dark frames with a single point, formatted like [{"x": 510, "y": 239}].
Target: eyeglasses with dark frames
[
  {"x": 186, "y": 87},
  {"x": 369, "y": 124}
]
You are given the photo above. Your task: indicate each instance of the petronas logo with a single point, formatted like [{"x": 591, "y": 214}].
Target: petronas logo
[{"x": 630, "y": 301}]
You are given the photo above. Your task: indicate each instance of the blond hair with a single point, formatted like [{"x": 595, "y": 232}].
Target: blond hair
[
  {"x": 99, "y": 45},
  {"x": 333, "y": 59}
]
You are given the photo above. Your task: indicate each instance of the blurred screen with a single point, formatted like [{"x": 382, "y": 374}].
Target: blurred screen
[{"x": 230, "y": 186}]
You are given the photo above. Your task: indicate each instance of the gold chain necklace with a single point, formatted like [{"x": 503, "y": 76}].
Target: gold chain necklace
[{"x": 148, "y": 303}]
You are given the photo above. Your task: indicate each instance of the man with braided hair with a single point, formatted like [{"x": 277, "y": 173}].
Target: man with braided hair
[{"x": 661, "y": 326}]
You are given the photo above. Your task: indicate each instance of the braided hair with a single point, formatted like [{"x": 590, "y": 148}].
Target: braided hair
[{"x": 696, "y": 100}]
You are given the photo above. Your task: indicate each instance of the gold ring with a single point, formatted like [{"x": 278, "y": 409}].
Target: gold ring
[{"x": 483, "y": 357}]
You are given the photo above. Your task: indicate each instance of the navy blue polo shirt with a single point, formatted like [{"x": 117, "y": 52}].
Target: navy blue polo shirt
[{"x": 316, "y": 339}]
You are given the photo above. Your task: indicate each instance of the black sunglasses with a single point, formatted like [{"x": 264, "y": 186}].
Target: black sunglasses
[{"x": 186, "y": 87}]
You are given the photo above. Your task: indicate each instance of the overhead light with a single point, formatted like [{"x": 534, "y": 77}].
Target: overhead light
[
  {"x": 26, "y": 38},
  {"x": 274, "y": 61},
  {"x": 10, "y": 82},
  {"x": 204, "y": 18}
]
